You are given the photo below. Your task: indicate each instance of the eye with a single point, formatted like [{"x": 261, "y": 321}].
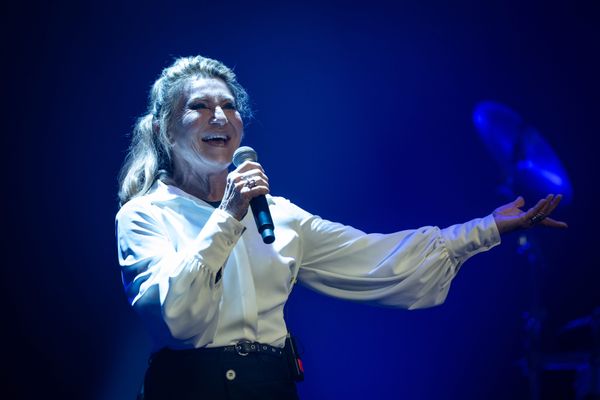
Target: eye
[
  {"x": 198, "y": 106},
  {"x": 228, "y": 106}
]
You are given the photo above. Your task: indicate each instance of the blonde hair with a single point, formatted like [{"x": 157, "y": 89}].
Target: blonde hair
[{"x": 149, "y": 155}]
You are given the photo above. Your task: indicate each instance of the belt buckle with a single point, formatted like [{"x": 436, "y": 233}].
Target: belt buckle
[{"x": 238, "y": 348}]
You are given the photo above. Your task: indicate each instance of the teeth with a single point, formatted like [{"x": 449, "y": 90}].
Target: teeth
[{"x": 215, "y": 137}]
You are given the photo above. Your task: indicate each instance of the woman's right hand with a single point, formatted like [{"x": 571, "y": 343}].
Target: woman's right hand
[{"x": 244, "y": 183}]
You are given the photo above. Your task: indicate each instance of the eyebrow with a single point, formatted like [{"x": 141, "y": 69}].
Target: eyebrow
[{"x": 207, "y": 98}]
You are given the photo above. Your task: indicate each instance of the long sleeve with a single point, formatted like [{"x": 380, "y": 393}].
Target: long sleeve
[
  {"x": 175, "y": 285},
  {"x": 409, "y": 269},
  {"x": 197, "y": 282}
]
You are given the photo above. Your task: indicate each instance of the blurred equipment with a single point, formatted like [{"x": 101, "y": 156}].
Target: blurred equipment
[
  {"x": 530, "y": 166},
  {"x": 531, "y": 169},
  {"x": 580, "y": 345}
]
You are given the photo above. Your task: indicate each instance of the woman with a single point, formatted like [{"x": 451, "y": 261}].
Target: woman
[{"x": 196, "y": 270}]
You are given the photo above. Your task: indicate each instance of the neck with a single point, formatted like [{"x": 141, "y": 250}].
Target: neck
[{"x": 208, "y": 187}]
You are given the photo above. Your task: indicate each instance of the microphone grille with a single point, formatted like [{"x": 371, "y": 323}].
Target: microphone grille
[{"x": 244, "y": 153}]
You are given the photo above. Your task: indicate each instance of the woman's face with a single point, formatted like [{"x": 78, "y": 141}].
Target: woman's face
[{"x": 206, "y": 129}]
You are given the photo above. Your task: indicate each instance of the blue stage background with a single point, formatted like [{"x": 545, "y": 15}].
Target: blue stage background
[{"x": 363, "y": 115}]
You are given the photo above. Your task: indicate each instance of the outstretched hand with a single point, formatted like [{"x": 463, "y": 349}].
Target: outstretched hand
[{"x": 510, "y": 217}]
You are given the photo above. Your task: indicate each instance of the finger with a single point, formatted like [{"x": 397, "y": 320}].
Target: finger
[
  {"x": 546, "y": 209},
  {"x": 252, "y": 182},
  {"x": 536, "y": 209},
  {"x": 553, "y": 204},
  {"x": 255, "y": 173},
  {"x": 238, "y": 179},
  {"x": 259, "y": 182},
  {"x": 552, "y": 223},
  {"x": 248, "y": 165},
  {"x": 519, "y": 202},
  {"x": 252, "y": 178},
  {"x": 250, "y": 192}
]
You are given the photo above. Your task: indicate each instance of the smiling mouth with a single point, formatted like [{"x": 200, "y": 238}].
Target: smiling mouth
[{"x": 216, "y": 140}]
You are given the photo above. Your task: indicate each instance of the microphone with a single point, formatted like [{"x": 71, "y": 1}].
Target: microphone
[{"x": 259, "y": 205}]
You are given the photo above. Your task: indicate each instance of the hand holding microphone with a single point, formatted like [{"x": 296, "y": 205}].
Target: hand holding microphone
[{"x": 247, "y": 186}]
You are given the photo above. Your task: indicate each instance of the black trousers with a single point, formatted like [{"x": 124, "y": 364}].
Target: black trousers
[{"x": 215, "y": 374}]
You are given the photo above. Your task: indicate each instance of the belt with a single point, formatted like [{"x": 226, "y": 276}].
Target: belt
[{"x": 244, "y": 347}]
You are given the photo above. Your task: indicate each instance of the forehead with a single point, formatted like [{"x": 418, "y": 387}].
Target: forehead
[{"x": 211, "y": 88}]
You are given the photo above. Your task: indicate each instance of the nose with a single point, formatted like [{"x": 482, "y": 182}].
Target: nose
[{"x": 219, "y": 117}]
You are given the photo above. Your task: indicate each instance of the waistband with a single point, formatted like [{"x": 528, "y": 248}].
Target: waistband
[{"x": 241, "y": 348}]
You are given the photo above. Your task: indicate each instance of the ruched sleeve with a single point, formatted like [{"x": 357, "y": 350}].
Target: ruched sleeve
[
  {"x": 408, "y": 269},
  {"x": 175, "y": 286}
]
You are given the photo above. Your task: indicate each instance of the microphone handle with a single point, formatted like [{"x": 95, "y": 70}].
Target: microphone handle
[{"x": 262, "y": 216}]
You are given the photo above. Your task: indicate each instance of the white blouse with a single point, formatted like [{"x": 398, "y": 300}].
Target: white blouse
[{"x": 200, "y": 278}]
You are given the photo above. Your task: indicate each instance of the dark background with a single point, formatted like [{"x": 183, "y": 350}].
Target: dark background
[{"x": 363, "y": 116}]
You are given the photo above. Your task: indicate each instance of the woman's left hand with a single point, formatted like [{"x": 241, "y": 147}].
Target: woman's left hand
[{"x": 510, "y": 217}]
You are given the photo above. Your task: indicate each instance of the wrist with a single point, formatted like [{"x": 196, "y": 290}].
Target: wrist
[
  {"x": 237, "y": 215},
  {"x": 500, "y": 224}
]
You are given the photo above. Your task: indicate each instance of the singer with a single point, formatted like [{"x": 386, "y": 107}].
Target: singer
[{"x": 197, "y": 271}]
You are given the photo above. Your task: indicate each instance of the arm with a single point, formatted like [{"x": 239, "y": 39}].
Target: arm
[
  {"x": 408, "y": 269},
  {"x": 175, "y": 288},
  {"x": 171, "y": 275}
]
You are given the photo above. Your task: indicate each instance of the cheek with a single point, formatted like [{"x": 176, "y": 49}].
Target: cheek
[
  {"x": 187, "y": 128},
  {"x": 185, "y": 150},
  {"x": 189, "y": 119},
  {"x": 236, "y": 121},
  {"x": 182, "y": 136}
]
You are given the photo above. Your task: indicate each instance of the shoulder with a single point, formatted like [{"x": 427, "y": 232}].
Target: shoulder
[
  {"x": 158, "y": 196},
  {"x": 138, "y": 206}
]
